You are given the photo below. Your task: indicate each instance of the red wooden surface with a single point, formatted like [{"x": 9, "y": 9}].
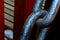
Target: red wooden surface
[
  {"x": 1, "y": 20},
  {"x": 22, "y": 9}
]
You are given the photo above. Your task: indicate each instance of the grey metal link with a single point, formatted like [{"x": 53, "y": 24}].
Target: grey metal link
[
  {"x": 37, "y": 12},
  {"x": 29, "y": 22},
  {"x": 48, "y": 19},
  {"x": 50, "y": 15}
]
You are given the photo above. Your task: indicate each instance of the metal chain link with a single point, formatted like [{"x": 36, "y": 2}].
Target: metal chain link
[
  {"x": 37, "y": 12},
  {"x": 52, "y": 12}
]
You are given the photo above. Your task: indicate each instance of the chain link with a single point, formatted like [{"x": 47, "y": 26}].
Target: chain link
[{"x": 48, "y": 18}]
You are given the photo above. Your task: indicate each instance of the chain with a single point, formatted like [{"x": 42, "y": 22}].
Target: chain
[
  {"x": 48, "y": 18},
  {"x": 32, "y": 18}
]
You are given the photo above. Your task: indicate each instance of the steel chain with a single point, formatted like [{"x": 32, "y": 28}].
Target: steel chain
[{"x": 48, "y": 17}]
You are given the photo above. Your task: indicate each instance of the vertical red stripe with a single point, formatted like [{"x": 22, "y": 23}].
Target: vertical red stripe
[
  {"x": 28, "y": 8},
  {"x": 18, "y": 17},
  {"x": 22, "y": 9},
  {"x": 1, "y": 20}
]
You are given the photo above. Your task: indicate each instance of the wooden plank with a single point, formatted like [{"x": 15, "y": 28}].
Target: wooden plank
[
  {"x": 9, "y": 2},
  {"x": 9, "y": 14},
  {"x": 9, "y": 17},
  {"x": 8, "y": 24},
  {"x": 12, "y": 0},
  {"x": 9, "y": 11},
  {"x": 8, "y": 6}
]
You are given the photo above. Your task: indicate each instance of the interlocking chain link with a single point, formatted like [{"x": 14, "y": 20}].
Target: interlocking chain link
[
  {"x": 52, "y": 12},
  {"x": 38, "y": 12},
  {"x": 32, "y": 19}
]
